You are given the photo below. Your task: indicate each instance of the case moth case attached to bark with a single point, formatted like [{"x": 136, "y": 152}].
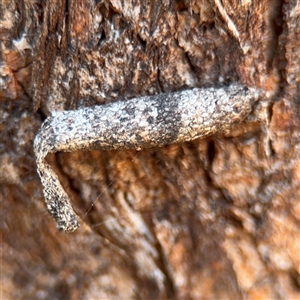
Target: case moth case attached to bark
[{"x": 149, "y": 121}]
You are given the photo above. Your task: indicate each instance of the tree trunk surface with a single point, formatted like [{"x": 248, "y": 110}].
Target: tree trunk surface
[{"x": 216, "y": 218}]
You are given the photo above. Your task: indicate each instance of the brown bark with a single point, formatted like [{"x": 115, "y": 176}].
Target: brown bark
[{"x": 213, "y": 218}]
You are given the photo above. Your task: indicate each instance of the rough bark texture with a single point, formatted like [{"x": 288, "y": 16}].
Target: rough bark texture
[{"x": 213, "y": 218}]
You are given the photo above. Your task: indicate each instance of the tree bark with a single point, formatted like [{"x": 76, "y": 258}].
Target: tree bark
[{"x": 213, "y": 218}]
